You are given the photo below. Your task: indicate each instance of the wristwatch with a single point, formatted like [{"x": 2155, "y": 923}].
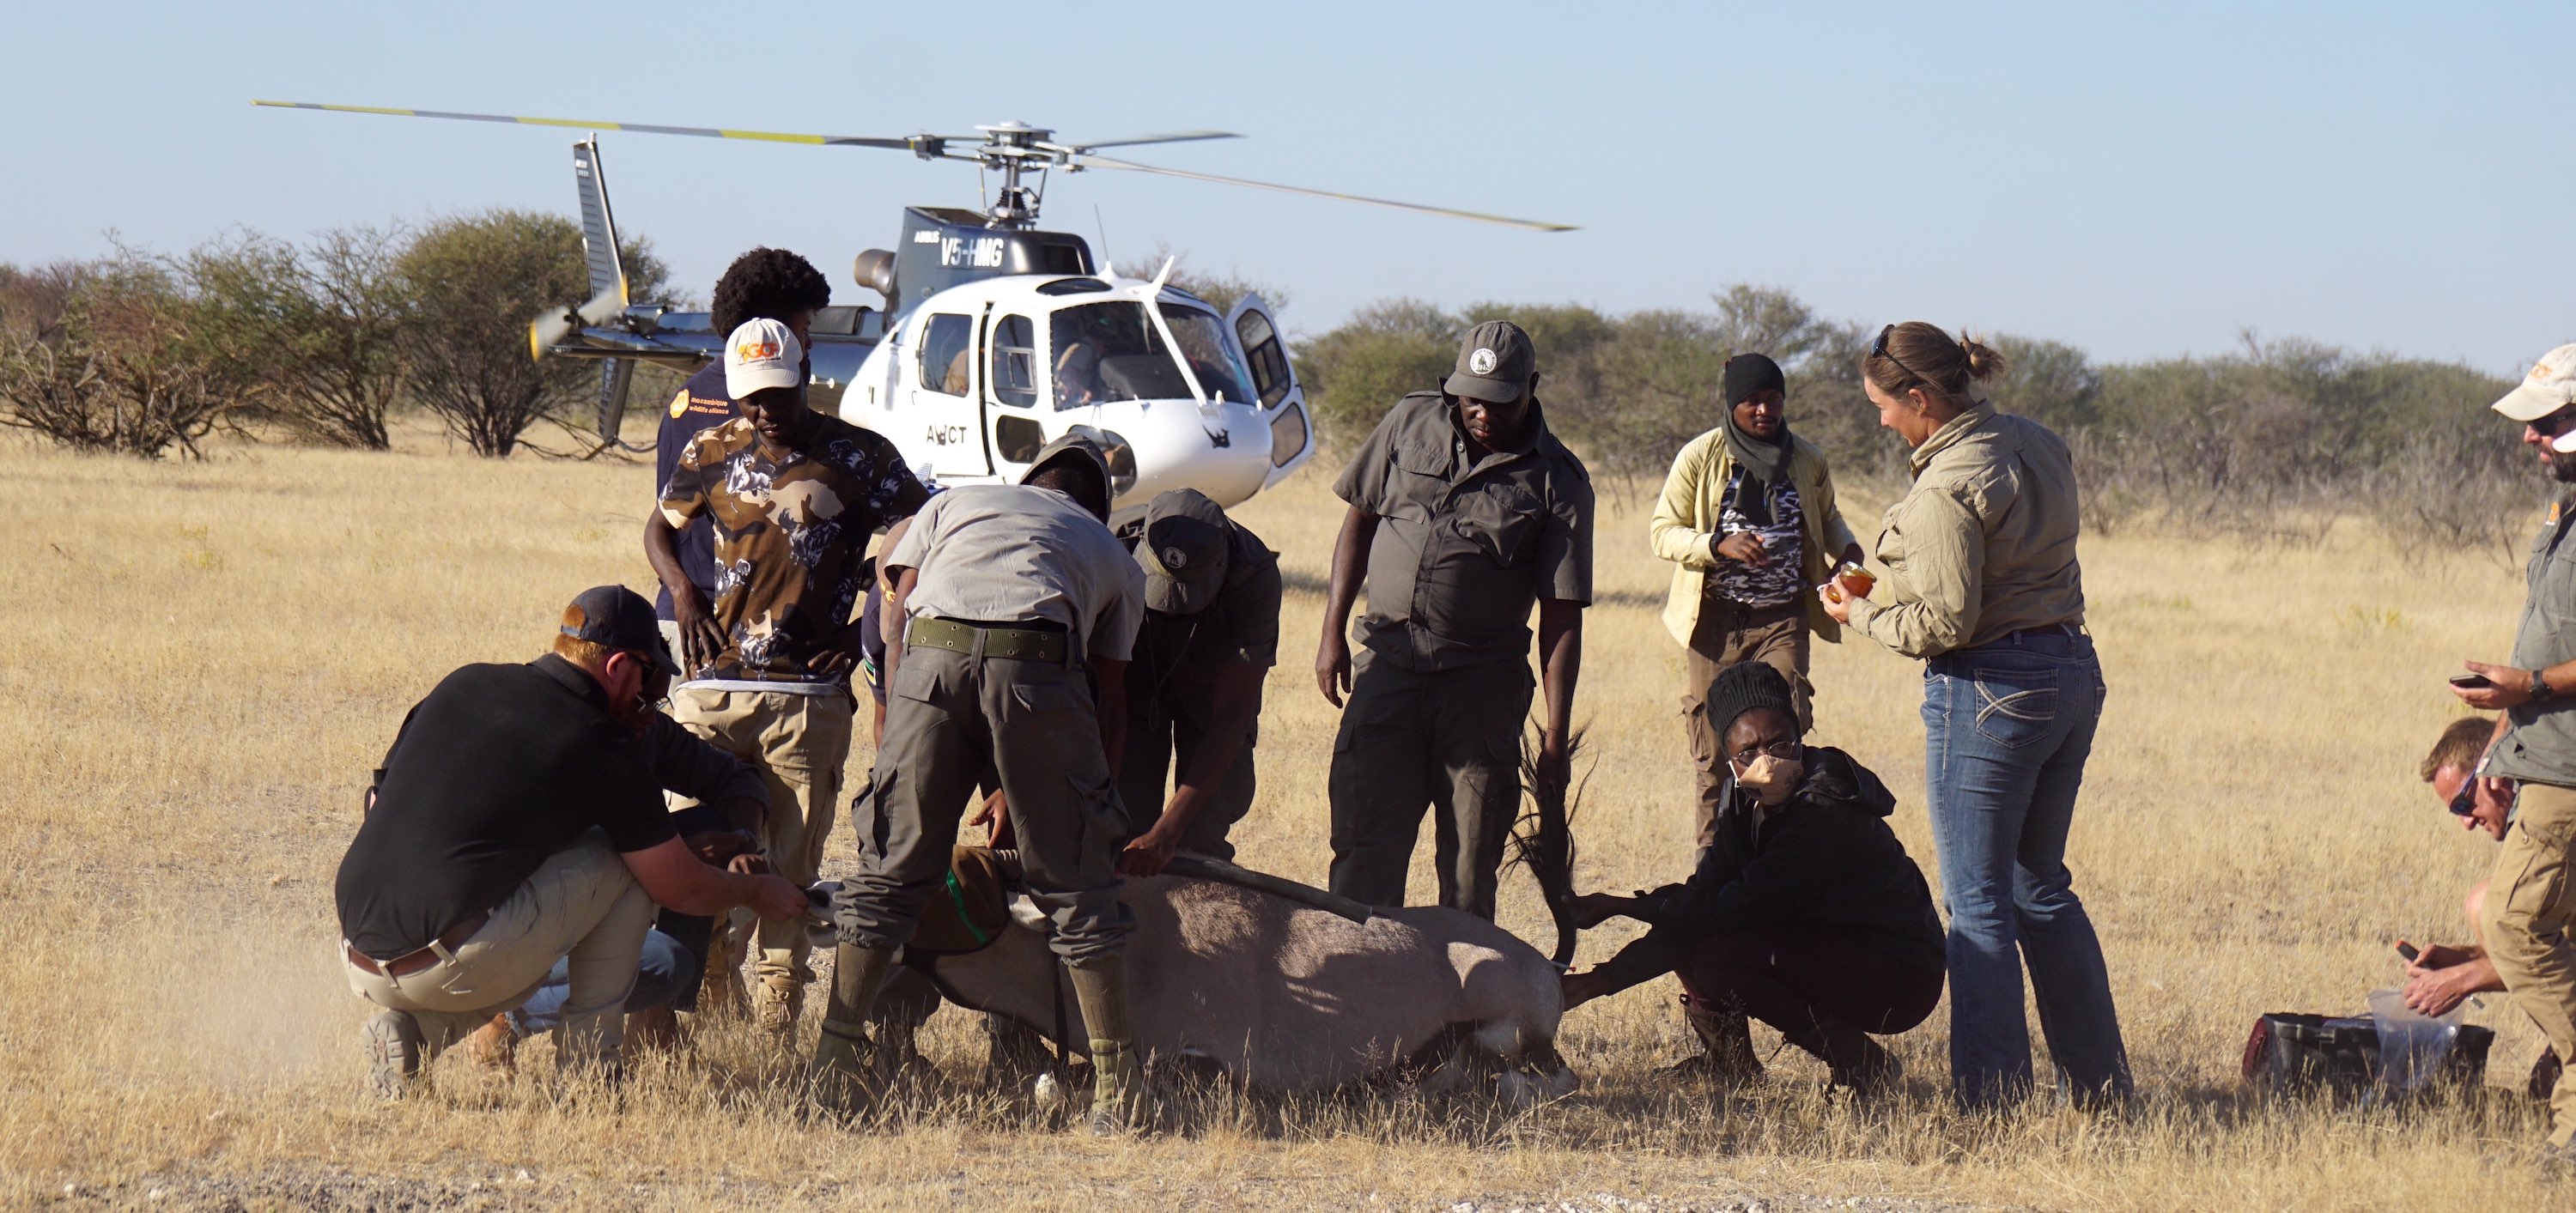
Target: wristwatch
[{"x": 2540, "y": 688}]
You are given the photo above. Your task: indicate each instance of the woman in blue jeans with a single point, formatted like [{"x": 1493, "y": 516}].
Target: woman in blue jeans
[{"x": 1982, "y": 585}]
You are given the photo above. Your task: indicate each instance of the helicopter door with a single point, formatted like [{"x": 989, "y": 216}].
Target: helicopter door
[
  {"x": 1272, "y": 377},
  {"x": 1011, "y": 392},
  {"x": 944, "y": 419}
]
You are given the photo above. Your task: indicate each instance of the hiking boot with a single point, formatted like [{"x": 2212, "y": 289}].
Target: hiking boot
[
  {"x": 777, "y": 1005},
  {"x": 494, "y": 1047},
  {"x": 1726, "y": 1044},
  {"x": 1120, "y": 1102},
  {"x": 1854, "y": 1062},
  {"x": 393, "y": 1045},
  {"x": 657, "y": 1029}
]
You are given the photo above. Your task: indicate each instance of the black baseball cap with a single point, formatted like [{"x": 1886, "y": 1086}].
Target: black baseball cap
[
  {"x": 619, "y": 618},
  {"x": 1183, "y": 552},
  {"x": 1495, "y": 363}
]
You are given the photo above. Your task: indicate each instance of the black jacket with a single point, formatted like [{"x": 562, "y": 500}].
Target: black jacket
[{"x": 1825, "y": 860}]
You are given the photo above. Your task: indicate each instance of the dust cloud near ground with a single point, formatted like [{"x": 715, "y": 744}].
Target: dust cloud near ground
[{"x": 202, "y": 661}]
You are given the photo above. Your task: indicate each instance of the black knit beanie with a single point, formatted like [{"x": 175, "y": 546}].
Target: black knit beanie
[
  {"x": 1741, "y": 688},
  {"x": 1750, "y": 373}
]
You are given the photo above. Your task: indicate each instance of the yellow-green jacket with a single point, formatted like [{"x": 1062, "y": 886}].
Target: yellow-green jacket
[{"x": 1685, "y": 526}]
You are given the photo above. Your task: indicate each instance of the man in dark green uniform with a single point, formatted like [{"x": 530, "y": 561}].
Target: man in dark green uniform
[
  {"x": 1465, "y": 511},
  {"x": 1211, "y": 633}
]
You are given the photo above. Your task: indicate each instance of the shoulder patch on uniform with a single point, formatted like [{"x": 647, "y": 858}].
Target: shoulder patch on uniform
[{"x": 680, "y": 403}]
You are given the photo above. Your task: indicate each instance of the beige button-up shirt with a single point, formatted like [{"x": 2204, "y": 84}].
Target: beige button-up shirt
[{"x": 1984, "y": 544}]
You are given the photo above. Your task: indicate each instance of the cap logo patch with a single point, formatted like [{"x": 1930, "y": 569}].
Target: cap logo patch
[
  {"x": 1175, "y": 559},
  {"x": 2542, "y": 370},
  {"x": 754, "y": 351},
  {"x": 1481, "y": 362}
]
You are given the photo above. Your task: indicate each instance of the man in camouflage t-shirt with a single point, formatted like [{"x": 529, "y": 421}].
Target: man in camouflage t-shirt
[{"x": 793, "y": 496}]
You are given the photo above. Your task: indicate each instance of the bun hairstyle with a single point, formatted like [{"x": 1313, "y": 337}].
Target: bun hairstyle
[{"x": 1921, "y": 355}]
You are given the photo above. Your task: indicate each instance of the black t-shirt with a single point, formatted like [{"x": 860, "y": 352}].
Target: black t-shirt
[{"x": 499, "y": 768}]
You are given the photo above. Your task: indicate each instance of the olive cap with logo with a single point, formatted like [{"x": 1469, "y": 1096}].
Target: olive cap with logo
[
  {"x": 1183, "y": 551},
  {"x": 1495, "y": 363},
  {"x": 2549, "y": 387},
  {"x": 618, "y": 618},
  {"x": 762, "y": 354}
]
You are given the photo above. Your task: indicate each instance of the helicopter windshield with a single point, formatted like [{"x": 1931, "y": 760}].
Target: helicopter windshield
[{"x": 1104, "y": 352}]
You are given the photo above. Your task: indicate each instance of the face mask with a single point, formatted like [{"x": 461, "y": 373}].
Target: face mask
[{"x": 1771, "y": 780}]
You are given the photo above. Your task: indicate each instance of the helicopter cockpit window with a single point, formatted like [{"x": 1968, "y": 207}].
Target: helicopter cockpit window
[
  {"x": 944, "y": 343},
  {"x": 1104, "y": 352},
  {"x": 1015, "y": 362},
  {"x": 1202, "y": 338}
]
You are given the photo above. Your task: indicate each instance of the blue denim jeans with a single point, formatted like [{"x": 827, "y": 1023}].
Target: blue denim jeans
[
  {"x": 2007, "y": 728},
  {"x": 664, "y": 970}
]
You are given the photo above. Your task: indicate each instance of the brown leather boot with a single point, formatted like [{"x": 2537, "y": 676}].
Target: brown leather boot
[
  {"x": 657, "y": 1030},
  {"x": 494, "y": 1047},
  {"x": 776, "y": 1005},
  {"x": 1726, "y": 1044}
]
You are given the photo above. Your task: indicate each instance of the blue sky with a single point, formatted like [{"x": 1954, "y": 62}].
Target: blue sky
[{"x": 2142, "y": 182}]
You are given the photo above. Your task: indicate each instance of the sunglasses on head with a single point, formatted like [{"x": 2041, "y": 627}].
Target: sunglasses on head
[{"x": 1878, "y": 349}]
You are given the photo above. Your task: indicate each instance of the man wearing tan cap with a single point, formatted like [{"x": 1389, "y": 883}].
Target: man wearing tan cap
[{"x": 2530, "y": 907}]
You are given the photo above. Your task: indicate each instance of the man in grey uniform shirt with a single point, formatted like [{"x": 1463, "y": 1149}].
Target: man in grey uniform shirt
[
  {"x": 2528, "y": 920},
  {"x": 1011, "y": 594},
  {"x": 1465, "y": 511}
]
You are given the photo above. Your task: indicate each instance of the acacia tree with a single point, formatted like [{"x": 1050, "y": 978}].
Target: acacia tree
[
  {"x": 472, "y": 283},
  {"x": 327, "y": 318},
  {"x": 127, "y": 361}
]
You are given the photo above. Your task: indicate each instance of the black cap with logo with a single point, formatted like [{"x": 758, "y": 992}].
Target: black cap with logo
[
  {"x": 619, "y": 618},
  {"x": 1183, "y": 551},
  {"x": 1495, "y": 363}
]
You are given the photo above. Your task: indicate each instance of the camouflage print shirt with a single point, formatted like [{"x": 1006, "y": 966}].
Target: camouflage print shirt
[{"x": 791, "y": 537}]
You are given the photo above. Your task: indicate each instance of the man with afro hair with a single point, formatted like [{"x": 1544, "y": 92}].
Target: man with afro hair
[{"x": 763, "y": 284}]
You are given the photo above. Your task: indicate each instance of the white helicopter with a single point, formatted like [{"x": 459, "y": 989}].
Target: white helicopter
[{"x": 994, "y": 337}]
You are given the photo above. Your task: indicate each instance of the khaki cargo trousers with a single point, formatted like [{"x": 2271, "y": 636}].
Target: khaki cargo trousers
[
  {"x": 580, "y": 905},
  {"x": 954, "y": 720},
  {"x": 1727, "y": 634},
  {"x": 800, "y": 742},
  {"x": 1448, "y": 742},
  {"x": 2527, "y": 921}
]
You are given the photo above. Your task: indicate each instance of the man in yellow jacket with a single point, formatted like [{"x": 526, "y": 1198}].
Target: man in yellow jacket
[{"x": 1749, "y": 521}]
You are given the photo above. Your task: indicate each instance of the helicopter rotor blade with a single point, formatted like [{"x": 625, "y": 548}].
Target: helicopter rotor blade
[
  {"x": 1531, "y": 225},
  {"x": 1134, "y": 140},
  {"x": 554, "y": 325},
  {"x": 915, "y": 143}
]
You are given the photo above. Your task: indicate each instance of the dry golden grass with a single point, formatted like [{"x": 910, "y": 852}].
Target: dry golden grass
[{"x": 200, "y": 663}]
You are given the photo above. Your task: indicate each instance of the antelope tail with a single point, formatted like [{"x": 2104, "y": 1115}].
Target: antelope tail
[{"x": 1543, "y": 840}]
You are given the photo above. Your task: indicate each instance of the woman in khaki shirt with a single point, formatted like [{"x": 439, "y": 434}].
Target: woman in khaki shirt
[{"x": 1982, "y": 585}]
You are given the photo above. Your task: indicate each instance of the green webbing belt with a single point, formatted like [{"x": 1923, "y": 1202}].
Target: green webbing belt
[{"x": 957, "y": 897}]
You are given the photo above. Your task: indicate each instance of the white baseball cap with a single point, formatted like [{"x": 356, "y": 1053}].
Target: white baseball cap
[
  {"x": 762, "y": 354},
  {"x": 2549, "y": 387}
]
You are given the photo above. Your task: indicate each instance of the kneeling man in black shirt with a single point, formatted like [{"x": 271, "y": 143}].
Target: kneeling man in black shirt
[{"x": 518, "y": 821}]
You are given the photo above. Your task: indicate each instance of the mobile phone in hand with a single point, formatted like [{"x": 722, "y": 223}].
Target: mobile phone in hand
[
  {"x": 2407, "y": 951},
  {"x": 2471, "y": 682}
]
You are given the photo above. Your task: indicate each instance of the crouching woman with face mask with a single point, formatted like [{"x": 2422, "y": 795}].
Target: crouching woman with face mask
[{"x": 1804, "y": 913}]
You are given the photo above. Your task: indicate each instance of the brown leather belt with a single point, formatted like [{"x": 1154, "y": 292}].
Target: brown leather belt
[{"x": 421, "y": 957}]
